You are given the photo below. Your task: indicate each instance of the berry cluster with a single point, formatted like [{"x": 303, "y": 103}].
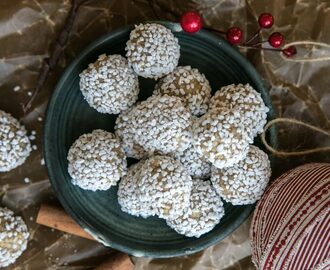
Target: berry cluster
[{"x": 191, "y": 22}]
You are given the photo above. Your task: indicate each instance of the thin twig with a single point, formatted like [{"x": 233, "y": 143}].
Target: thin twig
[
  {"x": 154, "y": 11},
  {"x": 256, "y": 34},
  {"x": 255, "y": 44},
  {"x": 214, "y": 30},
  {"x": 170, "y": 11},
  {"x": 50, "y": 63},
  {"x": 259, "y": 48}
]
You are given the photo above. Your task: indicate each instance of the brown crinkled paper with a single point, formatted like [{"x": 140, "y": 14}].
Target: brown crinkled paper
[{"x": 28, "y": 28}]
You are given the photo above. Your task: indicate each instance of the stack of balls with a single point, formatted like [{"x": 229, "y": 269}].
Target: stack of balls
[{"x": 193, "y": 149}]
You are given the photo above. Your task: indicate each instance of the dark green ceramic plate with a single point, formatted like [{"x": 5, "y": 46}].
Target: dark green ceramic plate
[{"x": 69, "y": 116}]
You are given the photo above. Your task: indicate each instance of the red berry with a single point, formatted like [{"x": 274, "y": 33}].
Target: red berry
[
  {"x": 234, "y": 35},
  {"x": 276, "y": 39},
  {"x": 266, "y": 20},
  {"x": 191, "y": 22},
  {"x": 290, "y": 51}
]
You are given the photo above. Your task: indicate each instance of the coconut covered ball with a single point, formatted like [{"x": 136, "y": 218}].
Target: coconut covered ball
[
  {"x": 152, "y": 50},
  {"x": 128, "y": 193},
  {"x": 188, "y": 84},
  {"x": 164, "y": 186},
  {"x": 96, "y": 161},
  {"x": 194, "y": 163},
  {"x": 109, "y": 85},
  {"x": 13, "y": 237},
  {"x": 245, "y": 182},
  {"x": 246, "y": 99},
  {"x": 221, "y": 137},
  {"x": 125, "y": 129},
  {"x": 162, "y": 124},
  {"x": 15, "y": 146},
  {"x": 204, "y": 212}
]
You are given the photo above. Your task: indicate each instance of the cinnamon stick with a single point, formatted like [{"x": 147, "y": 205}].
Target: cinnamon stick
[{"x": 56, "y": 218}]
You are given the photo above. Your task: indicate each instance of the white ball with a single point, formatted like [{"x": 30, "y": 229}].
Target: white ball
[
  {"x": 14, "y": 237},
  {"x": 244, "y": 182},
  {"x": 128, "y": 193},
  {"x": 162, "y": 124},
  {"x": 152, "y": 50},
  {"x": 203, "y": 214},
  {"x": 164, "y": 186},
  {"x": 125, "y": 129},
  {"x": 188, "y": 84},
  {"x": 194, "y": 163},
  {"x": 97, "y": 161},
  {"x": 221, "y": 137},
  {"x": 15, "y": 146},
  {"x": 247, "y": 100},
  {"x": 109, "y": 85}
]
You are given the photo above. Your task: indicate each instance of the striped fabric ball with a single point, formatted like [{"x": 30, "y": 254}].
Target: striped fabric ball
[{"x": 291, "y": 224}]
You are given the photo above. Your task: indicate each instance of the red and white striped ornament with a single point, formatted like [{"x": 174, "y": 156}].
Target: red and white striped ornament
[{"x": 291, "y": 224}]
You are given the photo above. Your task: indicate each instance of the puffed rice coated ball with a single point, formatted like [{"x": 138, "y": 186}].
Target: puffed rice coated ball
[
  {"x": 97, "y": 161},
  {"x": 188, "y": 84},
  {"x": 152, "y": 50},
  {"x": 125, "y": 129},
  {"x": 13, "y": 237},
  {"x": 203, "y": 214},
  {"x": 164, "y": 186},
  {"x": 221, "y": 137},
  {"x": 109, "y": 85},
  {"x": 244, "y": 182},
  {"x": 246, "y": 99},
  {"x": 15, "y": 146},
  {"x": 194, "y": 163},
  {"x": 162, "y": 124},
  {"x": 128, "y": 193}
]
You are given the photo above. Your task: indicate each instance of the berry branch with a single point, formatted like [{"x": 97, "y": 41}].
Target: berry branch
[{"x": 191, "y": 22}]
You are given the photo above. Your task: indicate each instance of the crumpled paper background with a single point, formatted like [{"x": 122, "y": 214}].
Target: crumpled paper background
[{"x": 28, "y": 28}]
